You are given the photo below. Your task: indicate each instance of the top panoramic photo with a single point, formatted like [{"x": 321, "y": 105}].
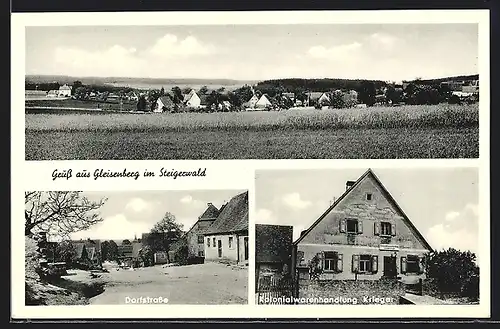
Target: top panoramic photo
[{"x": 277, "y": 91}]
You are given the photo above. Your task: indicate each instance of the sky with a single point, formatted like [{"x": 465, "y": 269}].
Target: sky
[
  {"x": 443, "y": 204},
  {"x": 392, "y": 52},
  {"x": 129, "y": 214}
]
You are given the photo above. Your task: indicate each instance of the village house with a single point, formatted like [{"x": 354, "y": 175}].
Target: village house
[
  {"x": 64, "y": 91},
  {"x": 471, "y": 87},
  {"x": 128, "y": 254},
  {"x": 290, "y": 96},
  {"x": 263, "y": 102},
  {"x": 273, "y": 250},
  {"x": 227, "y": 238},
  {"x": 250, "y": 104},
  {"x": 53, "y": 93},
  {"x": 164, "y": 104},
  {"x": 192, "y": 100},
  {"x": 363, "y": 235},
  {"x": 195, "y": 235}
]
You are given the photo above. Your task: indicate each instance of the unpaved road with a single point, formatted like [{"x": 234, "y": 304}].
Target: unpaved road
[{"x": 210, "y": 283}]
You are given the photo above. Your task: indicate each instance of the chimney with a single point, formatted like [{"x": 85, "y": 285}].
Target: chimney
[
  {"x": 349, "y": 184},
  {"x": 209, "y": 204},
  {"x": 302, "y": 232}
]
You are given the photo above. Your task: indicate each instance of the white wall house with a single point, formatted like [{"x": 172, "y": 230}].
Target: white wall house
[
  {"x": 263, "y": 102},
  {"x": 64, "y": 91},
  {"x": 192, "y": 100}
]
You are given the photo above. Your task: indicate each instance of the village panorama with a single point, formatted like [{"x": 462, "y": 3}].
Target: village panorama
[
  {"x": 136, "y": 247},
  {"x": 203, "y": 92}
]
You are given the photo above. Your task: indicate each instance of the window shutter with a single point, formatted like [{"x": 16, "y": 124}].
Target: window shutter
[
  {"x": 374, "y": 264},
  {"x": 360, "y": 226},
  {"x": 421, "y": 265},
  {"x": 321, "y": 258},
  {"x": 376, "y": 228},
  {"x": 355, "y": 263},
  {"x": 340, "y": 262},
  {"x": 342, "y": 225},
  {"x": 403, "y": 265},
  {"x": 393, "y": 229}
]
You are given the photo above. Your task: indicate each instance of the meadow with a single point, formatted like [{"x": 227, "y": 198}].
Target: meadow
[{"x": 441, "y": 131}]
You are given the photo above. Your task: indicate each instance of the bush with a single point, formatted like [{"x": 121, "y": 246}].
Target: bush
[{"x": 455, "y": 272}]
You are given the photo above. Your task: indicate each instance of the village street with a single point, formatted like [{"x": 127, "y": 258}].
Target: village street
[{"x": 210, "y": 283}]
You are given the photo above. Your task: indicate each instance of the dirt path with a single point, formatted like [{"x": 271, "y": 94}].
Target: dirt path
[{"x": 194, "y": 284}]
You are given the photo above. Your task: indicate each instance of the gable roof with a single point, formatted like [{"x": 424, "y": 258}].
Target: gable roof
[
  {"x": 166, "y": 100},
  {"x": 210, "y": 213},
  {"x": 79, "y": 249},
  {"x": 65, "y": 87},
  {"x": 315, "y": 95},
  {"x": 187, "y": 97},
  {"x": 233, "y": 217},
  {"x": 390, "y": 199}
]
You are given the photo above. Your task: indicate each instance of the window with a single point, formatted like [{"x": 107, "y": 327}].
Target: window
[
  {"x": 385, "y": 228},
  {"x": 369, "y": 196},
  {"x": 230, "y": 242},
  {"x": 352, "y": 226},
  {"x": 365, "y": 263},
  {"x": 412, "y": 264},
  {"x": 213, "y": 242},
  {"x": 200, "y": 239},
  {"x": 201, "y": 253},
  {"x": 208, "y": 242},
  {"x": 330, "y": 260}
]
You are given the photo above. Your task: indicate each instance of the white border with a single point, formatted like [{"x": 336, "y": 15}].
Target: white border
[{"x": 236, "y": 174}]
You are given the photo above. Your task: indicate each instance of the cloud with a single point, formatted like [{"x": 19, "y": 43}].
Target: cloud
[
  {"x": 114, "y": 227},
  {"x": 340, "y": 52},
  {"x": 111, "y": 60},
  {"x": 293, "y": 200},
  {"x": 187, "y": 199},
  {"x": 265, "y": 216},
  {"x": 170, "y": 46},
  {"x": 118, "y": 60},
  {"x": 452, "y": 215},
  {"x": 137, "y": 205},
  {"x": 459, "y": 230},
  {"x": 383, "y": 39}
]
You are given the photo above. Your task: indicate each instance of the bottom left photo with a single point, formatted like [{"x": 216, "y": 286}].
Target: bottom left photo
[{"x": 136, "y": 247}]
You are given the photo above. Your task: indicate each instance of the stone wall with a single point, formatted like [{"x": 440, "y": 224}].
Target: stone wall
[{"x": 351, "y": 292}]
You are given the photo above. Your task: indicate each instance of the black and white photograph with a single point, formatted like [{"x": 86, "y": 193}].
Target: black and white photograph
[
  {"x": 141, "y": 247},
  {"x": 373, "y": 236},
  {"x": 259, "y": 91}
]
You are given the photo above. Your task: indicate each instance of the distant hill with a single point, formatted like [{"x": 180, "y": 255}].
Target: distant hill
[
  {"x": 132, "y": 82},
  {"x": 454, "y": 78}
]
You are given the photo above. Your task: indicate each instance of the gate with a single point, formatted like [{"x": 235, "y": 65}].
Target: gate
[{"x": 275, "y": 290}]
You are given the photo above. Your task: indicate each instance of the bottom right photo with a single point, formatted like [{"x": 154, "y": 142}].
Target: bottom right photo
[{"x": 367, "y": 236}]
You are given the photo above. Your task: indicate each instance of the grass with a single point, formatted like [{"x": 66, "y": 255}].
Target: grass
[
  {"x": 444, "y": 131},
  {"x": 73, "y": 103}
]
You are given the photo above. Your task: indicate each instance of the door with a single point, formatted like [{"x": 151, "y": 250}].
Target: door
[
  {"x": 245, "y": 243},
  {"x": 390, "y": 266},
  {"x": 219, "y": 248}
]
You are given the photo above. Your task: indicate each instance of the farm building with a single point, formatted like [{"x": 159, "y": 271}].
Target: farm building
[
  {"x": 164, "y": 104},
  {"x": 250, "y": 104},
  {"x": 227, "y": 238},
  {"x": 192, "y": 100},
  {"x": 195, "y": 235},
  {"x": 64, "y": 91},
  {"x": 263, "y": 102},
  {"x": 364, "y": 235},
  {"x": 53, "y": 93},
  {"x": 273, "y": 250}
]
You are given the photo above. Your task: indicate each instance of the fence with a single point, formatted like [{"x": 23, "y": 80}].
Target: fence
[{"x": 275, "y": 290}]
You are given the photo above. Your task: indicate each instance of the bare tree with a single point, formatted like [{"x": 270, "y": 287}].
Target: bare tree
[{"x": 59, "y": 213}]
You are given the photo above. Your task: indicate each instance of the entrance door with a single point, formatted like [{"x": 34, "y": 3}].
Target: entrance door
[
  {"x": 390, "y": 266},
  {"x": 245, "y": 242},
  {"x": 219, "y": 248}
]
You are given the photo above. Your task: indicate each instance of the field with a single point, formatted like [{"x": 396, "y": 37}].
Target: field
[
  {"x": 444, "y": 131},
  {"x": 34, "y": 104}
]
